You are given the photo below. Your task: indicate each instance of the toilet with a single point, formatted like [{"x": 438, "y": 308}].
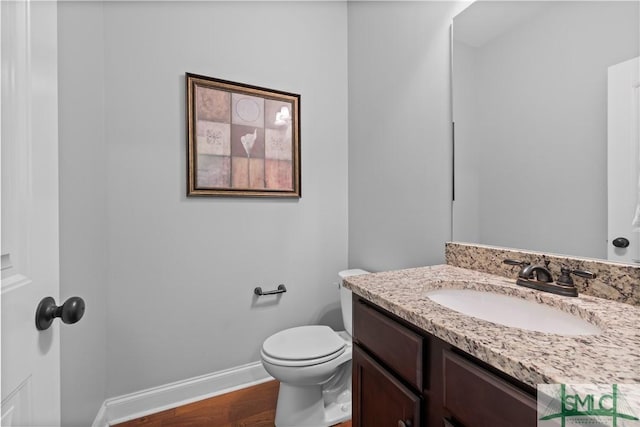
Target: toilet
[{"x": 313, "y": 365}]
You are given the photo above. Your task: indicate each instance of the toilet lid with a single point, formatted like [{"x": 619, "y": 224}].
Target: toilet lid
[{"x": 303, "y": 343}]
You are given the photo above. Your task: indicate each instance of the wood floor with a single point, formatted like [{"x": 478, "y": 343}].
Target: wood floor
[{"x": 254, "y": 406}]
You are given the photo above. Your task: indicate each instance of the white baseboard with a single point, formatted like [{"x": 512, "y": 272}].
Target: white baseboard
[
  {"x": 101, "y": 417},
  {"x": 139, "y": 404}
]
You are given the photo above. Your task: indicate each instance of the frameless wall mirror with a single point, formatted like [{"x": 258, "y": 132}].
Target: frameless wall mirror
[{"x": 530, "y": 107}]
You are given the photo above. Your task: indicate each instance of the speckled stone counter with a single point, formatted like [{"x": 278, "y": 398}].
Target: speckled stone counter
[
  {"x": 532, "y": 357},
  {"x": 614, "y": 281}
]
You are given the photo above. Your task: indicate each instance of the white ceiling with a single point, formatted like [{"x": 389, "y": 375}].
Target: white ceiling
[{"x": 484, "y": 20}]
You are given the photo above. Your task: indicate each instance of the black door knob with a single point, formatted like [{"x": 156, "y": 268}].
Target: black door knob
[
  {"x": 70, "y": 312},
  {"x": 620, "y": 242}
]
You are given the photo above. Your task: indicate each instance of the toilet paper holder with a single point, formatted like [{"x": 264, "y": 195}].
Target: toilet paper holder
[{"x": 281, "y": 289}]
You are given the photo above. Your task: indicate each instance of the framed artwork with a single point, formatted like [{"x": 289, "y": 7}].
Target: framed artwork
[{"x": 242, "y": 140}]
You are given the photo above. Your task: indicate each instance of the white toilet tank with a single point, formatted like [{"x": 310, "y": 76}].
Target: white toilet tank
[{"x": 345, "y": 299}]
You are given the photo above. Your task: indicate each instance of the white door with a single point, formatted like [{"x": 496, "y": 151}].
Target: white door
[
  {"x": 623, "y": 161},
  {"x": 29, "y": 137}
]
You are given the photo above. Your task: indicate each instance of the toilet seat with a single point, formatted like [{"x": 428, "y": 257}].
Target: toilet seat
[
  {"x": 303, "y": 346},
  {"x": 300, "y": 363}
]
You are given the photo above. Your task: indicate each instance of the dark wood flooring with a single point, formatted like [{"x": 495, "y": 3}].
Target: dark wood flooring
[{"x": 254, "y": 406}]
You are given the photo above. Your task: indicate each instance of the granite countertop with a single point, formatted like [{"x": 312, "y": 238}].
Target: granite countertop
[{"x": 532, "y": 357}]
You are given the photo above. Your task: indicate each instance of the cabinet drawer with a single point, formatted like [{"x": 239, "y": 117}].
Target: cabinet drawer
[
  {"x": 477, "y": 398},
  {"x": 397, "y": 346}
]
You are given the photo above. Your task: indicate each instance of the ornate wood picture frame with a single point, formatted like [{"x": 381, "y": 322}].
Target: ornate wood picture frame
[{"x": 242, "y": 140}]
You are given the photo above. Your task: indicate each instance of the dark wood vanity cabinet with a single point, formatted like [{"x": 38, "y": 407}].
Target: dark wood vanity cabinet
[
  {"x": 386, "y": 357},
  {"x": 380, "y": 399},
  {"x": 403, "y": 376}
]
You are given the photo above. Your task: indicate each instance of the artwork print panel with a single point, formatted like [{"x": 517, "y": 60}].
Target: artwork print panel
[
  {"x": 277, "y": 144},
  {"x": 247, "y": 110},
  {"x": 247, "y": 173},
  {"x": 213, "y": 138},
  {"x": 278, "y": 174},
  {"x": 214, "y": 171},
  {"x": 213, "y": 105},
  {"x": 247, "y": 141},
  {"x": 277, "y": 114}
]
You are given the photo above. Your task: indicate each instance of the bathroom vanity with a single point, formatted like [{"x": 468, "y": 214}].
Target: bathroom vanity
[
  {"x": 419, "y": 363},
  {"x": 406, "y": 377}
]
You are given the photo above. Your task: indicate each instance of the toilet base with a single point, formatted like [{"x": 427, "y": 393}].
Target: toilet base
[{"x": 305, "y": 407}]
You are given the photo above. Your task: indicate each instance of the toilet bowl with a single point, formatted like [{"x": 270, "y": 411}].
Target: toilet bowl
[{"x": 313, "y": 365}]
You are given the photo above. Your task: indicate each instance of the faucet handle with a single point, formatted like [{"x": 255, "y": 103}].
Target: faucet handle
[
  {"x": 515, "y": 262},
  {"x": 566, "y": 272},
  {"x": 584, "y": 273}
]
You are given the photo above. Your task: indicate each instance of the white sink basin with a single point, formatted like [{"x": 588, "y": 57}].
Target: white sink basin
[{"x": 512, "y": 311}]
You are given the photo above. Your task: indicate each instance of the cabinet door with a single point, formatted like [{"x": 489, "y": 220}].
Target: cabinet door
[{"x": 379, "y": 399}]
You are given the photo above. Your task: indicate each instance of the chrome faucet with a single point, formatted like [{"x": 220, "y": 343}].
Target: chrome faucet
[{"x": 540, "y": 278}]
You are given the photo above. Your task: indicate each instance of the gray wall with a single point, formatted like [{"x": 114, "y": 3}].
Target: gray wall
[
  {"x": 182, "y": 270},
  {"x": 399, "y": 133},
  {"x": 174, "y": 276},
  {"x": 178, "y": 293},
  {"x": 540, "y": 137},
  {"x": 83, "y": 208}
]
